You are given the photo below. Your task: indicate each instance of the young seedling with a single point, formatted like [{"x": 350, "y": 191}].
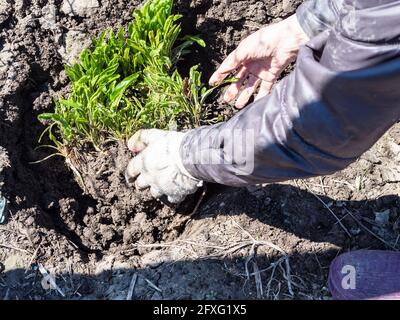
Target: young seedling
[{"x": 128, "y": 80}]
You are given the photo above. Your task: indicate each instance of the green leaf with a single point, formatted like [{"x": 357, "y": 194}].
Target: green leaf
[
  {"x": 119, "y": 90},
  {"x": 194, "y": 39},
  {"x": 128, "y": 80}
]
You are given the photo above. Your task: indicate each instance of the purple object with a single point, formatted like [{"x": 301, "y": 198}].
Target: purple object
[{"x": 365, "y": 274}]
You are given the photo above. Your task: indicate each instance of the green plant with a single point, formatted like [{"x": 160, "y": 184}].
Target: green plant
[{"x": 128, "y": 80}]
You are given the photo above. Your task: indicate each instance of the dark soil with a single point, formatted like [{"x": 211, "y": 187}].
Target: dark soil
[{"x": 95, "y": 233}]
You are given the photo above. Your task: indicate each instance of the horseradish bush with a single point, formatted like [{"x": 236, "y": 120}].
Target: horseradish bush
[{"x": 128, "y": 80}]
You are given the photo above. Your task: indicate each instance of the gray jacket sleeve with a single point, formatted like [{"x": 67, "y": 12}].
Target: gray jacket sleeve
[
  {"x": 316, "y": 16},
  {"x": 342, "y": 97}
]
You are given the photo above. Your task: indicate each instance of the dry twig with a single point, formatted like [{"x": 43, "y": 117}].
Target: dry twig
[
  {"x": 152, "y": 285},
  {"x": 331, "y": 211},
  {"x": 132, "y": 287},
  {"x": 50, "y": 279},
  {"x": 353, "y": 215},
  {"x": 14, "y": 248}
]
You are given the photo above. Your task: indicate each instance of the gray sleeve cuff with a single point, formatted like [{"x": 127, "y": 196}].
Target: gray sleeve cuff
[{"x": 316, "y": 16}]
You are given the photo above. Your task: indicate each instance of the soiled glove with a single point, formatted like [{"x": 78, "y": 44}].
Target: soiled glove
[{"x": 158, "y": 165}]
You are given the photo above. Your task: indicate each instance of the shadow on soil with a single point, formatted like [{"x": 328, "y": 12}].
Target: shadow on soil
[
  {"x": 297, "y": 211},
  {"x": 222, "y": 278},
  {"x": 193, "y": 279}
]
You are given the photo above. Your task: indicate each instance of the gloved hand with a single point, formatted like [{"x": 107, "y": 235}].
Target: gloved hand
[
  {"x": 259, "y": 60},
  {"x": 158, "y": 165}
]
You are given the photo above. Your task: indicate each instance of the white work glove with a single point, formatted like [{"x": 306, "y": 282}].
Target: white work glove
[{"x": 158, "y": 165}]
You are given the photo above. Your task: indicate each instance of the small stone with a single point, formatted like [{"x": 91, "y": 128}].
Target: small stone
[
  {"x": 6, "y": 58},
  {"x": 75, "y": 42},
  {"x": 355, "y": 231},
  {"x": 371, "y": 157},
  {"x": 5, "y": 11},
  {"x": 48, "y": 19},
  {"x": 82, "y": 8},
  {"x": 390, "y": 174},
  {"x": 140, "y": 218},
  {"x": 153, "y": 259},
  {"x": 382, "y": 218},
  {"x": 394, "y": 148},
  {"x": 107, "y": 232},
  {"x": 14, "y": 262},
  {"x": 30, "y": 221}
]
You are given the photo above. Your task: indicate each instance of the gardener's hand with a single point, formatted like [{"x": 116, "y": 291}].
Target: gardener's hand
[
  {"x": 158, "y": 165},
  {"x": 259, "y": 60}
]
